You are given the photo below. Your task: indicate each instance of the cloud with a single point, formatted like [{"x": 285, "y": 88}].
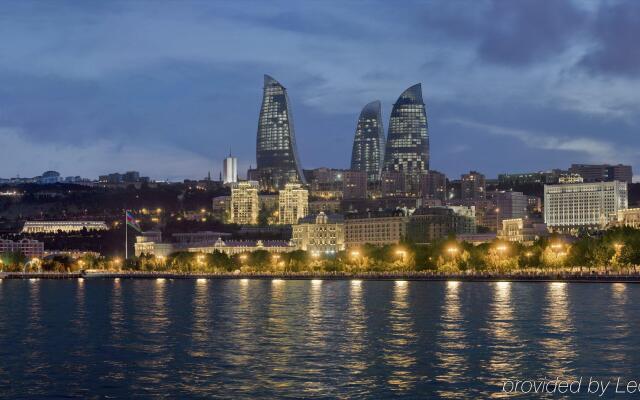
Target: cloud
[
  {"x": 597, "y": 151},
  {"x": 101, "y": 157},
  {"x": 616, "y": 31}
]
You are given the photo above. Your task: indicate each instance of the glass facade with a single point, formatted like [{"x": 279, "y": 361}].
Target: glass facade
[
  {"x": 368, "y": 143},
  {"x": 407, "y": 148},
  {"x": 276, "y": 153}
]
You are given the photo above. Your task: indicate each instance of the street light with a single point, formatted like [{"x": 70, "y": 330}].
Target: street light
[
  {"x": 355, "y": 254},
  {"x": 618, "y": 246},
  {"x": 452, "y": 250}
]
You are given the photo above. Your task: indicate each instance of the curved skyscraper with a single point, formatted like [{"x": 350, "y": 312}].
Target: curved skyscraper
[
  {"x": 276, "y": 153},
  {"x": 368, "y": 143},
  {"x": 407, "y": 148}
]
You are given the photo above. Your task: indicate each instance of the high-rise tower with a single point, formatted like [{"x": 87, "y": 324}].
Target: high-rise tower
[
  {"x": 407, "y": 148},
  {"x": 276, "y": 153},
  {"x": 368, "y": 144}
]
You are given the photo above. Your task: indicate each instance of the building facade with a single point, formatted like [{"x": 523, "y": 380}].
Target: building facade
[
  {"x": 276, "y": 151},
  {"x": 368, "y": 144},
  {"x": 522, "y": 230},
  {"x": 433, "y": 186},
  {"x": 30, "y": 248},
  {"x": 428, "y": 224},
  {"x": 510, "y": 205},
  {"x": 354, "y": 185},
  {"x": 293, "y": 203},
  {"x": 407, "y": 147},
  {"x": 320, "y": 234},
  {"x": 568, "y": 207},
  {"x": 375, "y": 228},
  {"x": 63, "y": 226},
  {"x": 244, "y": 204},
  {"x": 629, "y": 217},
  {"x": 230, "y": 170},
  {"x": 603, "y": 172},
  {"x": 472, "y": 186}
]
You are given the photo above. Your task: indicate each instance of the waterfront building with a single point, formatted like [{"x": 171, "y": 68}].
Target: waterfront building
[
  {"x": 375, "y": 228},
  {"x": 368, "y": 144},
  {"x": 230, "y": 170},
  {"x": 433, "y": 186},
  {"x": 510, "y": 205},
  {"x": 354, "y": 185},
  {"x": 293, "y": 203},
  {"x": 472, "y": 186},
  {"x": 29, "y": 247},
  {"x": 63, "y": 226},
  {"x": 603, "y": 172},
  {"x": 229, "y": 247},
  {"x": 568, "y": 207},
  {"x": 244, "y": 203},
  {"x": 629, "y": 217},
  {"x": 407, "y": 146},
  {"x": 319, "y": 233},
  {"x": 522, "y": 230},
  {"x": 276, "y": 151},
  {"x": 477, "y": 238},
  {"x": 429, "y": 224}
]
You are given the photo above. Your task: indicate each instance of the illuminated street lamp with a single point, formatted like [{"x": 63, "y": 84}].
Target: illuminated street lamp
[
  {"x": 401, "y": 253},
  {"x": 243, "y": 257},
  {"x": 618, "y": 246},
  {"x": 452, "y": 250},
  {"x": 355, "y": 254}
]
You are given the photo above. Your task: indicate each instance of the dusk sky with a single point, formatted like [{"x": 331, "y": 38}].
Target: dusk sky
[{"x": 168, "y": 87}]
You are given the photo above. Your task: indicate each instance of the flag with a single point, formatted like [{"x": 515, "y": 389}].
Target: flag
[{"x": 132, "y": 221}]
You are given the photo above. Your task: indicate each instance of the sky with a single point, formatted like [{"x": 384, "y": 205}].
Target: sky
[{"x": 169, "y": 88}]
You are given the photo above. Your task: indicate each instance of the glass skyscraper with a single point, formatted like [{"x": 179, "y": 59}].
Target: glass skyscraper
[
  {"x": 407, "y": 148},
  {"x": 276, "y": 153},
  {"x": 368, "y": 143}
]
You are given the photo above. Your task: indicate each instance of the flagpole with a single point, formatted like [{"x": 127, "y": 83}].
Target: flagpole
[{"x": 126, "y": 238}]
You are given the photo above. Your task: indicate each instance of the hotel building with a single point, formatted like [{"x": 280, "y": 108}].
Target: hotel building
[
  {"x": 568, "y": 207},
  {"x": 377, "y": 229},
  {"x": 368, "y": 144},
  {"x": 320, "y": 233},
  {"x": 276, "y": 151}
]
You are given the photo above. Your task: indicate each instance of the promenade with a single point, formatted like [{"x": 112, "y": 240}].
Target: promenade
[{"x": 587, "y": 277}]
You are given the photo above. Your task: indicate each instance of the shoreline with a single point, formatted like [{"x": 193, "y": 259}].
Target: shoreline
[{"x": 412, "y": 276}]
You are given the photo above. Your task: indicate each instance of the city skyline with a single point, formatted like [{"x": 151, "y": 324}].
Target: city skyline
[{"x": 548, "y": 85}]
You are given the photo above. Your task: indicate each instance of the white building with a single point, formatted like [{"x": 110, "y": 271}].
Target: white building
[
  {"x": 244, "y": 204},
  {"x": 568, "y": 207},
  {"x": 230, "y": 170},
  {"x": 293, "y": 203},
  {"x": 30, "y": 248},
  {"x": 62, "y": 226}
]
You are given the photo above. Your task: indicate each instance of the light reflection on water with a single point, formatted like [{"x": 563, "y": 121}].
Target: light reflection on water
[
  {"x": 334, "y": 339},
  {"x": 451, "y": 343},
  {"x": 399, "y": 352},
  {"x": 558, "y": 349}
]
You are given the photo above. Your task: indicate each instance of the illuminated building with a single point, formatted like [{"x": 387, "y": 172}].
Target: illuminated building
[
  {"x": 63, "y": 226},
  {"x": 244, "y": 203},
  {"x": 472, "y": 186},
  {"x": 407, "y": 147},
  {"x": 368, "y": 144},
  {"x": 276, "y": 153},
  {"x": 583, "y": 205},
  {"x": 375, "y": 228},
  {"x": 30, "y": 248},
  {"x": 320, "y": 233},
  {"x": 293, "y": 203}
]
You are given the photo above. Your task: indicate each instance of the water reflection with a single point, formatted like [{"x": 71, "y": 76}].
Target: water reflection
[
  {"x": 451, "y": 345},
  {"x": 399, "y": 352},
  {"x": 618, "y": 329},
  {"x": 558, "y": 348},
  {"x": 506, "y": 355}
]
